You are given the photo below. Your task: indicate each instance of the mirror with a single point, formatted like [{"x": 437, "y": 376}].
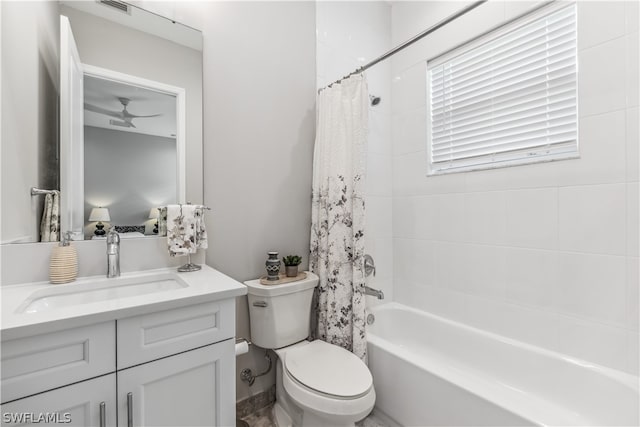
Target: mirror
[
  {"x": 131, "y": 143},
  {"x": 133, "y": 61}
]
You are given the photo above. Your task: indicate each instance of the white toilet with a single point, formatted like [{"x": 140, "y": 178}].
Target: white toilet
[{"x": 317, "y": 384}]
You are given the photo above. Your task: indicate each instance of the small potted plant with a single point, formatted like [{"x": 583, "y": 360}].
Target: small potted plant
[{"x": 291, "y": 263}]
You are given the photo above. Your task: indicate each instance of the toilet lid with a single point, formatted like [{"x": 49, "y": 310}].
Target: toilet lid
[{"x": 329, "y": 369}]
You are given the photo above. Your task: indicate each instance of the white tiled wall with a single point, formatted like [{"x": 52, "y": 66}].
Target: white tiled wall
[
  {"x": 350, "y": 34},
  {"x": 544, "y": 253}
]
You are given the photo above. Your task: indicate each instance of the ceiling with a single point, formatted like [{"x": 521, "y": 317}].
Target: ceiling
[{"x": 104, "y": 94}]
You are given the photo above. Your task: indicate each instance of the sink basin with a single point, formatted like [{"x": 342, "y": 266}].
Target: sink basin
[{"x": 98, "y": 290}]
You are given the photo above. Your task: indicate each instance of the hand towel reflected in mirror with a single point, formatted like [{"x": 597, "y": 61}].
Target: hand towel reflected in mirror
[
  {"x": 50, "y": 223},
  {"x": 186, "y": 232}
]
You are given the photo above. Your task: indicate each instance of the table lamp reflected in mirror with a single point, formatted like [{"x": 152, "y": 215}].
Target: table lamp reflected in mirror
[{"x": 99, "y": 214}]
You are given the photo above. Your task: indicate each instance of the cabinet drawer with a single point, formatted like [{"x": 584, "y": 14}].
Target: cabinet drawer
[
  {"x": 42, "y": 362},
  {"x": 152, "y": 336}
]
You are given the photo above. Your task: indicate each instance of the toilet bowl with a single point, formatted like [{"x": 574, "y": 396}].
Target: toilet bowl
[
  {"x": 317, "y": 383},
  {"x": 332, "y": 386}
]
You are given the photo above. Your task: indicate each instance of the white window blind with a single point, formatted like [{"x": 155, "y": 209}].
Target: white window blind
[{"x": 510, "y": 99}]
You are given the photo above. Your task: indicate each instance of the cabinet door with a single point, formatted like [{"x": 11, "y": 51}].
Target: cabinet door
[
  {"x": 74, "y": 405},
  {"x": 195, "y": 388}
]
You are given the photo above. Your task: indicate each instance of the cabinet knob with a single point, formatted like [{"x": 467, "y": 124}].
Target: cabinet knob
[{"x": 260, "y": 304}]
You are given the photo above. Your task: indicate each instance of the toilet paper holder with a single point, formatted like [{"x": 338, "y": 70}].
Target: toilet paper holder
[
  {"x": 242, "y": 346},
  {"x": 241, "y": 340}
]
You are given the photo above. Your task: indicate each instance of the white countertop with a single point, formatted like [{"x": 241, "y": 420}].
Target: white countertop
[{"x": 202, "y": 286}]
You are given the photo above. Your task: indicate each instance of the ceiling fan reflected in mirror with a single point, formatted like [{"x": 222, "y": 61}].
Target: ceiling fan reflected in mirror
[{"x": 125, "y": 118}]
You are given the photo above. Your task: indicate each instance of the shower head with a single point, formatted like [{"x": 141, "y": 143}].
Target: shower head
[{"x": 375, "y": 100}]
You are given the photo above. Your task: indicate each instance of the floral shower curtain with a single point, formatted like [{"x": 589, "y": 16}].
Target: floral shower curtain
[{"x": 337, "y": 223}]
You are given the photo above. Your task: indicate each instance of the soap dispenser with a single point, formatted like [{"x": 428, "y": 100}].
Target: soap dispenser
[{"x": 63, "y": 267}]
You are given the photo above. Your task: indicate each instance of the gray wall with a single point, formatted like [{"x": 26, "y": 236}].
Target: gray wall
[
  {"x": 108, "y": 45},
  {"x": 29, "y": 113},
  {"x": 259, "y": 115},
  {"x": 145, "y": 178},
  {"x": 259, "y": 106}
]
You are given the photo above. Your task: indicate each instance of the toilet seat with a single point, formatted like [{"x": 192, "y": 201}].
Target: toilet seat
[
  {"x": 329, "y": 370},
  {"x": 342, "y": 403},
  {"x": 337, "y": 408}
]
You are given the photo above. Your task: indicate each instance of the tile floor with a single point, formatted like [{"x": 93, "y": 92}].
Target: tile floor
[
  {"x": 261, "y": 418},
  {"x": 371, "y": 421},
  {"x": 264, "y": 418}
]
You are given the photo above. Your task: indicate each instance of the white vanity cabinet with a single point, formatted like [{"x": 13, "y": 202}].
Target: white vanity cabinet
[{"x": 171, "y": 367}]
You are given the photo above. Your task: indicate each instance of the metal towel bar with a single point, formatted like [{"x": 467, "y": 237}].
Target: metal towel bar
[{"x": 37, "y": 191}]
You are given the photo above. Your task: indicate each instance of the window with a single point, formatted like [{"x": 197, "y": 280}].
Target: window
[{"x": 507, "y": 99}]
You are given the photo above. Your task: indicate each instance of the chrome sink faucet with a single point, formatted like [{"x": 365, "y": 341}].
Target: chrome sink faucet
[{"x": 113, "y": 253}]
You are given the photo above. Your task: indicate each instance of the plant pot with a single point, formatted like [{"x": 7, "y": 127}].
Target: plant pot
[{"x": 291, "y": 270}]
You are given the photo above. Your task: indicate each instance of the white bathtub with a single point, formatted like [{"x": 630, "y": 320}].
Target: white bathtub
[{"x": 431, "y": 371}]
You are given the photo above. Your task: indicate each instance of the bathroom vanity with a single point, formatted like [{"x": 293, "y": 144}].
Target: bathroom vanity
[
  {"x": 152, "y": 348},
  {"x": 149, "y": 348}
]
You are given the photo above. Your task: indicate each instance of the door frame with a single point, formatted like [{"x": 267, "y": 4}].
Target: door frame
[{"x": 181, "y": 114}]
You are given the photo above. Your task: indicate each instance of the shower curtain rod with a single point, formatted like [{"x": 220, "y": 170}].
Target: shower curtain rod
[{"x": 409, "y": 42}]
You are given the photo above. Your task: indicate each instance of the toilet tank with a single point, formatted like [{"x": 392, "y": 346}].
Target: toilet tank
[{"x": 279, "y": 314}]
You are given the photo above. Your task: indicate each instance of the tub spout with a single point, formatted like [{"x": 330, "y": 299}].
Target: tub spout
[{"x": 374, "y": 292}]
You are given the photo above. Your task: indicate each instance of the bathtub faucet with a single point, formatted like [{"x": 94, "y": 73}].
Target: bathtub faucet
[{"x": 374, "y": 292}]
